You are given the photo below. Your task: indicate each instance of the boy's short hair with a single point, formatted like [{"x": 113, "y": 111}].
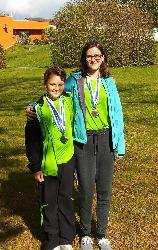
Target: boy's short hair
[{"x": 54, "y": 71}]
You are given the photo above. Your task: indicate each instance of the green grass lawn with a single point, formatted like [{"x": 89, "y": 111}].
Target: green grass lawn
[
  {"x": 28, "y": 55},
  {"x": 133, "y": 216}
]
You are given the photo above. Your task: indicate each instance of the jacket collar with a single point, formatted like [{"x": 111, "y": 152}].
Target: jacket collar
[{"x": 76, "y": 75}]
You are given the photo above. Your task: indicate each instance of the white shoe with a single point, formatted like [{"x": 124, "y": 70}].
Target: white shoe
[
  {"x": 66, "y": 247},
  {"x": 104, "y": 244},
  {"x": 56, "y": 248},
  {"x": 86, "y": 243}
]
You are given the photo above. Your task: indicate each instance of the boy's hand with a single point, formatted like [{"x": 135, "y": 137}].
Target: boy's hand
[
  {"x": 39, "y": 176},
  {"x": 30, "y": 113}
]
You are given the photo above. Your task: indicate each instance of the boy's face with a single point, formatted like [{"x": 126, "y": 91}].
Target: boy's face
[{"x": 54, "y": 86}]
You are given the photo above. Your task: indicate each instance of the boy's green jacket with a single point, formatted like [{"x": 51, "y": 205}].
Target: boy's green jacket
[{"x": 53, "y": 152}]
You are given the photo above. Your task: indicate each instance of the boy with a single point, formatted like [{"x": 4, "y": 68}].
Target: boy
[{"x": 53, "y": 167}]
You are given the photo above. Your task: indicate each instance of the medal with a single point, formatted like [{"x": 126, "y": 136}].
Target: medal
[
  {"x": 94, "y": 94},
  {"x": 59, "y": 117},
  {"x": 63, "y": 139},
  {"x": 94, "y": 113}
]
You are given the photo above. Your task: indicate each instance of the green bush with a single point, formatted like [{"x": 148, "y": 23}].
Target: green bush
[
  {"x": 125, "y": 31},
  {"x": 42, "y": 41},
  {"x": 2, "y": 58}
]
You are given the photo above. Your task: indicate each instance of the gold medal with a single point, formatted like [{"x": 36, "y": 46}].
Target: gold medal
[{"x": 94, "y": 113}]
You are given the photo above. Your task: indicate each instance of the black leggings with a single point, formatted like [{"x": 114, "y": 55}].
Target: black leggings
[{"x": 95, "y": 162}]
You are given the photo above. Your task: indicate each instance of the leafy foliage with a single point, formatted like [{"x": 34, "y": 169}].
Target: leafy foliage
[
  {"x": 50, "y": 33},
  {"x": 2, "y": 58},
  {"x": 42, "y": 41},
  {"x": 125, "y": 31},
  {"x": 150, "y": 6}
]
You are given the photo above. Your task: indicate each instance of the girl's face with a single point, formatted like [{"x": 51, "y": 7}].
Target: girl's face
[
  {"x": 94, "y": 59},
  {"x": 54, "y": 86}
]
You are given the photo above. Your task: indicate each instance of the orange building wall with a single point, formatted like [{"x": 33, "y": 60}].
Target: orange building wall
[
  {"x": 6, "y": 34},
  {"x": 10, "y": 27}
]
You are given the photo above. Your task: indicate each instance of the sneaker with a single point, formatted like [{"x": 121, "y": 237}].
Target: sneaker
[
  {"x": 104, "y": 244},
  {"x": 56, "y": 248},
  {"x": 66, "y": 247},
  {"x": 86, "y": 243}
]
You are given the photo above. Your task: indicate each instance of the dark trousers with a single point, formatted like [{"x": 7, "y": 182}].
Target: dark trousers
[
  {"x": 57, "y": 208},
  {"x": 95, "y": 162}
]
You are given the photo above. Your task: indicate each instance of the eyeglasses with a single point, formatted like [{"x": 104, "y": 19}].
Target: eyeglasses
[{"x": 96, "y": 57}]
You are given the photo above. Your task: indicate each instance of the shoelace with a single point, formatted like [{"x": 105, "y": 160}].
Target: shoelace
[
  {"x": 86, "y": 241},
  {"x": 103, "y": 241}
]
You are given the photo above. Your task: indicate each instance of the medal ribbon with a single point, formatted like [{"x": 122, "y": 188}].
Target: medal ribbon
[
  {"x": 58, "y": 117},
  {"x": 94, "y": 94}
]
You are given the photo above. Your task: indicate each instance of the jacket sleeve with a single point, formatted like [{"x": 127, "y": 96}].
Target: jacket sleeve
[
  {"x": 33, "y": 144},
  {"x": 120, "y": 123},
  {"x": 69, "y": 84}
]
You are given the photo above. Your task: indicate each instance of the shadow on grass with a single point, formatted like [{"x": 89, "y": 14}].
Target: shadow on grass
[
  {"x": 130, "y": 87},
  {"x": 9, "y": 232},
  {"x": 3, "y": 130},
  {"x": 154, "y": 100},
  {"x": 19, "y": 198},
  {"x": 19, "y": 92},
  {"x": 139, "y": 94},
  {"x": 9, "y": 153},
  {"x": 16, "y": 106}
]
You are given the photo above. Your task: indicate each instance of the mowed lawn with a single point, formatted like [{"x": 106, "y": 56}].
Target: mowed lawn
[{"x": 133, "y": 217}]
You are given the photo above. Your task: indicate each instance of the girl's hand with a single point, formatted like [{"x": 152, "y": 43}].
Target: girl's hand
[
  {"x": 120, "y": 157},
  {"x": 30, "y": 113},
  {"x": 39, "y": 177}
]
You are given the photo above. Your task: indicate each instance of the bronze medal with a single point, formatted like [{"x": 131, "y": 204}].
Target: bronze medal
[
  {"x": 94, "y": 113},
  {"x": 63, "y": 139}
]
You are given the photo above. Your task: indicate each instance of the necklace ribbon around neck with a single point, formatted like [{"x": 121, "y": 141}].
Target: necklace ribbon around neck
[
  {"x": 59, "y": 117},
  {"x": 94, "y": 94}
]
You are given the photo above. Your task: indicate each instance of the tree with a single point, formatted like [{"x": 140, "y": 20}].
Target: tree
[
  {"x": 150, "y": 6},
  {"x": 125, "y": 31}
]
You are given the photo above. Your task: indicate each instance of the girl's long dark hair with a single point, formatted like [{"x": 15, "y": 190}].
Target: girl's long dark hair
[{"x": 104, "y": 72}]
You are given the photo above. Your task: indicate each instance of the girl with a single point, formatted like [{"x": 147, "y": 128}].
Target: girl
[{"x": 99, "y": 137}]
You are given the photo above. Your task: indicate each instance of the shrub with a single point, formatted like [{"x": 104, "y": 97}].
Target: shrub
[
  {"x": 2, "y": 58},
  {"x": 41, "y": 41},
  {"x": 125, "y": 31}
]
